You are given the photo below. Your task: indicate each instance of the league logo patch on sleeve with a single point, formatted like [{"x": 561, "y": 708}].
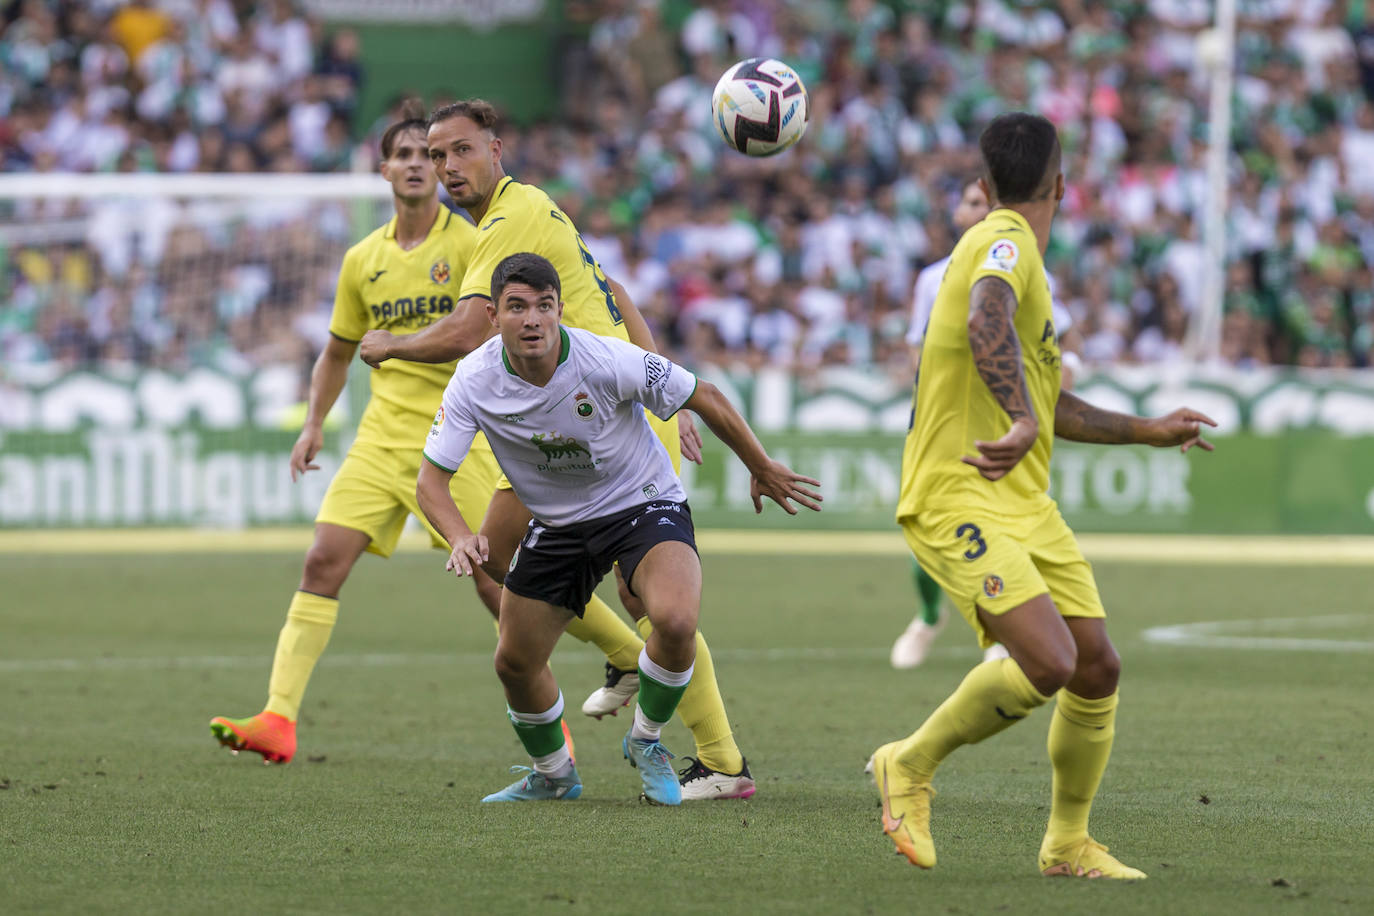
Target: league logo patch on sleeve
[
  {"x": 1003, "y": 256},
  {"x": 657, "y": 370},
  {"x": 438, "y": 422}
]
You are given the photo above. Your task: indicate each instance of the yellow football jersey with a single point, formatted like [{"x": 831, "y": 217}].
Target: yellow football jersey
[
  {"x": 523, "y": 218},
  {"x": 952, "y": 405},
  {"x": 383, "y": 286}
]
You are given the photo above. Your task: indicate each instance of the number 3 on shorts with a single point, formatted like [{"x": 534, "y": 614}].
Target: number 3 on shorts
[{"x": 975, "y": 537}]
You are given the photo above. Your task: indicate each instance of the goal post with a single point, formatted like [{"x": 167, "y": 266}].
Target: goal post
[{"x": 1216, "y": 48}]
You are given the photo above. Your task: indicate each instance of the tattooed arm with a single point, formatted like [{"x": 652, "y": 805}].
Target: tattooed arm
[
  {"x": 1077, "y": 420},
  {"x": 997, "y": 356},
  {"x": 996, "y": 348}
]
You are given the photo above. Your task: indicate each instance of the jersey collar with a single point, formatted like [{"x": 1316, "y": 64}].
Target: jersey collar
[
  {"x": 443, "y": 216},
  {"x": 564, "y": 348},
  {"x": 1009, "y": 213}
]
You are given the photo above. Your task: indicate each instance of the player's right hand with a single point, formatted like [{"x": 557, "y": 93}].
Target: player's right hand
[
  {"x": 308, "y": 445},
  {"x": 996, "y": 459},
  {"x": 468, "y": 554},
  {"x": 375, "y": 346}
]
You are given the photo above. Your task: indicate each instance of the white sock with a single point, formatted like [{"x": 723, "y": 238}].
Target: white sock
[
  {"x": 555, "y": 765},
  {"x": 644, "y": 728}
]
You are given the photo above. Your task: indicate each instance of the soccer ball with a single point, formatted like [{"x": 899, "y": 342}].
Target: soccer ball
[{"x": 760, "y": 106}]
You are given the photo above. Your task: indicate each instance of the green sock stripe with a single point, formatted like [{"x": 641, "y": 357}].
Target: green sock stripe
[
  {"x": 657, "y": 699},
  {"x": 929, "y": 591},
  {"x": 540, "y": 739}
]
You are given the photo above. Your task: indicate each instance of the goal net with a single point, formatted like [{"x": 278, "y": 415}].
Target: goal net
[{"x": 156, "y": 337}]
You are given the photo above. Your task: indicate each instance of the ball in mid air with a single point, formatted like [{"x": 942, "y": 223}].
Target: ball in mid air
[{"x": 760, "y": 106}]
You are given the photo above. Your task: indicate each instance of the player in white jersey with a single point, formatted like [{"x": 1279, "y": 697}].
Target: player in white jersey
[
  {"x": 913, "y": 645},
  {"x": 563, "y": 410}
]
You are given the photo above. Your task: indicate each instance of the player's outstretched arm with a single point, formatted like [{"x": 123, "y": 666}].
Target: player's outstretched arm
[
  {"x": 326, "y": 381},
  {"x": 640, "y": 335},
  {"x": 767, "y": 477},
  {"x": 451, "y": 337},
  {"x": 1077, "y": 420},
  {"x": 470, "y": 550},
  {"x": 997, "y": 356}
]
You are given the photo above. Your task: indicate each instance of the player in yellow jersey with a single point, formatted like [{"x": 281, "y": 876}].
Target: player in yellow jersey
[
  {"x": 976, "y": 512},
  {"x": 403, "y": 277},
  {"x": 512, "y": 217}
]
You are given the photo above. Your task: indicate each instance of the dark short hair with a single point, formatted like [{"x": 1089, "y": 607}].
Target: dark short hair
[
  {"x": 478, "y": 111},
  {"x": 412, "y": 118},
  {"x": 528, "y": 268},
  {"x": 1020, "y": 153}
]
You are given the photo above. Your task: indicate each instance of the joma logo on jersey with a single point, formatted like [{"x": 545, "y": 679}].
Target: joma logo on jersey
[{"x": 407, "y": 306}]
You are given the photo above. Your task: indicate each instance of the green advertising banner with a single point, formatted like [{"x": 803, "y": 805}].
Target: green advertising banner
[
  {"x": 1303, "y": 483},
  {"x": 1295, "y": 454}
]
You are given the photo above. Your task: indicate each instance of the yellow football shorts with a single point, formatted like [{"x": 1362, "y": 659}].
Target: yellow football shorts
[
  {"x": 666, "y": 430},
  {"x": 1000, "y": 562},
  {"x": 374, "y": 491}
]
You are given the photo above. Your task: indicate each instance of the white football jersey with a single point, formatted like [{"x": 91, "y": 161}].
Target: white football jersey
[
  {"x": 578, "y": 448},
  {"x": 923, "y": 299},
  {"x": 928, "y": 284}
]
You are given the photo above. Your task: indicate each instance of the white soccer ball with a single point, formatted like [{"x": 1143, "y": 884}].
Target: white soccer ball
[{"x": 760, "y": 106}]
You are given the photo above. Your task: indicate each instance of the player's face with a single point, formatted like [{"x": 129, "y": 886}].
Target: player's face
[
  {"x": 527, "y": 320},
  {"x": 465, "y": 158},
  {"x": 408, "y": 169},
  {"x": 973, "y": 206}
]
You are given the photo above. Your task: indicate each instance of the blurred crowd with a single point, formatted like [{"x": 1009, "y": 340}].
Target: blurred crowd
[
  {"x": 175, "y": 86},
  {"x": 807, "y": 259}
]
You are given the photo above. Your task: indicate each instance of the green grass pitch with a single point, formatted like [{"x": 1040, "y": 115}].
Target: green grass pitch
[{"x": 1241, "y": 780}]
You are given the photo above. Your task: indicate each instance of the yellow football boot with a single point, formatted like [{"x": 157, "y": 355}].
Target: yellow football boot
[
  {"x": 1083, "y": 858},
  {"x": 906, "y": 807}
]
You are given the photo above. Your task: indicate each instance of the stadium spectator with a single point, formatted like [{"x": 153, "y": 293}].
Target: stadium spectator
[{"x": 801, "y": 260}]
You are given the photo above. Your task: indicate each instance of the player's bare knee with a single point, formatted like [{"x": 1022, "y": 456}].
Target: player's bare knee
[
  {"x": 676, "y": 626},
  {"x": 1101, "y": 673},
  {"x": 325, "y": 570},
  {"x": 512, "y": 668},
  {"x": 1051, "y": 671}
]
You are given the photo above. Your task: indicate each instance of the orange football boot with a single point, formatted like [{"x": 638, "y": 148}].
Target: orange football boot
[{"x": 271, "y": 735}]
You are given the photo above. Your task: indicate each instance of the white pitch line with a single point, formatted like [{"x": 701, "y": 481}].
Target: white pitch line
[
  {"x": 1204, "y": 634},
  {"x": 405, "y": 660},
  {"x": 1242, "y": 550},
  {"x": 1220, "y": 634}
]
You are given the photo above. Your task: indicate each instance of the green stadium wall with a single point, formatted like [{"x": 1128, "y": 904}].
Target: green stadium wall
[
  {"x": 1295, "y": 453},
  {"x": 514, "y": 67}
]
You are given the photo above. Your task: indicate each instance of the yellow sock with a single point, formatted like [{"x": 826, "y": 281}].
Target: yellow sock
[
  {"x": 1080, "y": 742},
  {"x": 703, "y": 711},
  {"x": 309, "y": 621},
  {"x": 602, "y": 626},
  {"x": 992, "y": 696}
]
